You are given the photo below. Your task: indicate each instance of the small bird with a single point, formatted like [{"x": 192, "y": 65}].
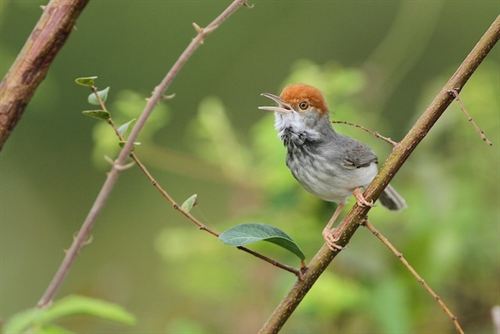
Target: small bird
[{"x": 326, "y": 163}]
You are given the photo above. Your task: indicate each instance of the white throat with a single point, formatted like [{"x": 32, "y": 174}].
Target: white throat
[
  {"x": 297, "y": 123},
  {"x": 289, "y": 120}
]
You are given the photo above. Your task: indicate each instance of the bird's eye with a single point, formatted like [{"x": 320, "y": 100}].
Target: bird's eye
[{"x": 303, "y": 105}]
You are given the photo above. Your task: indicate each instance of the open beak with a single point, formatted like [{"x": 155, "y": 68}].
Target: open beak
[{"x": 281, "y": 107}]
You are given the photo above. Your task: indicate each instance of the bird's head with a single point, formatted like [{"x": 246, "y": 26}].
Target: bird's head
[
  {"x": 299, "y": 98},
  {"x": 299, "y": 106}
]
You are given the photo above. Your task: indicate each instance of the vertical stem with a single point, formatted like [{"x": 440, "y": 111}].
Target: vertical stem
[{"x": 109, "y": 183}]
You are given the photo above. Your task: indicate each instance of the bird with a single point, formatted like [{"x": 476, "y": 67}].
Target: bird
[{"x": 326, "y": 163}]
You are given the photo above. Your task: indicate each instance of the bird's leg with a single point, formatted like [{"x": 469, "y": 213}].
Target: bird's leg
[
  {"x": 329, "y": 230},
  {"x": 332, "y": 235},
  {"x": 360, "y": 199}
]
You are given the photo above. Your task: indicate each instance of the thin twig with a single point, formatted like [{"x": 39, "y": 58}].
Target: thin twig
[
  {"x": 481, "y": 133},
  {"x": 396, "y": 159},
  {"x": 169, "y": 199},
  {"x": 419, "y": 278},
  {"x": 113, "y": 174},
  {"x": 199, "y": 224},
  {"x": 374, "y": 133}
]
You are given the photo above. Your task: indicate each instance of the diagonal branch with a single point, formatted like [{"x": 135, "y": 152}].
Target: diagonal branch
[
  {"x": 412, "y": 271},
  {"x": 33, "y": 62},
  {"x": 395, "y": 160},
  {"x": 113, "y": 174}
]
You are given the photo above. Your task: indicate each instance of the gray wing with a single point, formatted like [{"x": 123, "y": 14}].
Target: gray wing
[{"x": 357, "y": 155}]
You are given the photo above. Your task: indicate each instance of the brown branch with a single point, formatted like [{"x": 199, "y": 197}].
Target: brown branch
[
  {"x": 169, "y": 199},
  {"x": 113, "y": 174},
  {"x": 419, "y": 278},
  {"x": 469, "y": 117},
  {"x": 374, "y": 133},
  {"x": 34, "y": 60},
  {"x": 395, "y": 160}
]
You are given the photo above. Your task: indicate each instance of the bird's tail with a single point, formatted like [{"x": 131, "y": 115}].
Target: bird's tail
[{"x": 391, "y": 199}]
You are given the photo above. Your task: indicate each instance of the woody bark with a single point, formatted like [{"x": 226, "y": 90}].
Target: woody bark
[{"x": 34, "y": 60}]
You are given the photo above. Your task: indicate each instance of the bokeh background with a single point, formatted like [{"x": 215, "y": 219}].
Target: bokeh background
[{"x": 379, "y": 63}]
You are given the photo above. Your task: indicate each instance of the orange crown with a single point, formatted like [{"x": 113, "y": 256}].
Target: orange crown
[{"x": 296, "y": 93}]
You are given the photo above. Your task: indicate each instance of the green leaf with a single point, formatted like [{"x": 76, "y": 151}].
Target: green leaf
[
  {"x": 71, "y": 305},
  {"x": 122, "y": 129},
  {"x": 103, "y": 94},
  {"x": 189, "y": 203},
  {"x": 243, "y": 234},
  {"x": 122, "y": 143},
  {"x": 97, "y": 114},
  {"x": 85, "y": 81}
]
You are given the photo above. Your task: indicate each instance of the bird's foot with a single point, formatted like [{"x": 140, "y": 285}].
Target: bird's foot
[
  {"x": 331, "y": 239},
  {"x": 360, "y": 199}
]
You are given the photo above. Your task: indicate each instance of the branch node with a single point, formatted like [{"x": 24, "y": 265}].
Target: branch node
[
  {"x": 88, "y": 241},
  {"x": 302, "y": 272},
  {"x": 248, "y": 5},
  {"x": 109, "y": 160},
  {"x": 153, "y": 92},
  {"x": 198, "y": 29},
  {"x": 169, "y": 96},
  {"x": 83, "y": 243},
  {"x": 123, "y": 167},
  {"x": 202, "y": 32}
]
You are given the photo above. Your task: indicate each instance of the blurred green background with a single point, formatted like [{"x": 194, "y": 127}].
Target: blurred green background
[{"x": 379, "y": 63}]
